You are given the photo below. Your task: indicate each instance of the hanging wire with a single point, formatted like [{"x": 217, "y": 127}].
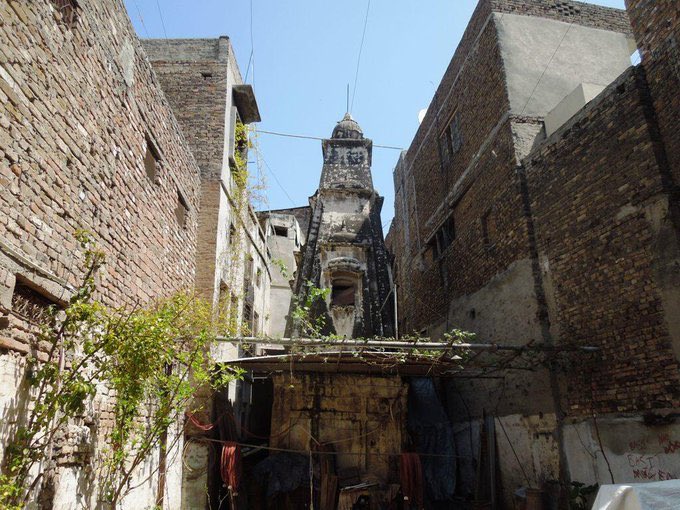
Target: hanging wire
[
  {"x": 160, "y": 13},
  {"x": 139, "y": 13},
  {"x": 361, "y": 47},
  {"x": 273, "y": 174},
  {"x": 308, "y": 137},
  {"x": 546, "y": 67}
]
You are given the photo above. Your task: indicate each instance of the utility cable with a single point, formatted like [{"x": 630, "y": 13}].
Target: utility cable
[
  {"x": 273, "y": 174},
  {"x": 160, "y": 13},
  {"x": 361, "y": 47},
  {"x": 139, "y": 13},
  {"x": 332, "y": 453},
  {"x": 546, "y": 67},
  {"x": 251, "y": 58},
  {"x": 308, "y": 137}
]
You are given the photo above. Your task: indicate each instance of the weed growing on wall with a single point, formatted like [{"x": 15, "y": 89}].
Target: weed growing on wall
[
  {"x": 308, "y": 323},
  {"x": 151, "y": 359}
]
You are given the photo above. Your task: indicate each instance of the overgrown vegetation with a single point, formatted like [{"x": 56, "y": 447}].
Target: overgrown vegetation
[
  {"x": 150, "y": 359},
  {"x": 580, "y": 495},
  {"x": 307, "y": 320},
  {"x": 241, "y": 146}
]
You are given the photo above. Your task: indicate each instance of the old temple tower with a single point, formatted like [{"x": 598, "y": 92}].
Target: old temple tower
[{"x": 345, "y": 248}]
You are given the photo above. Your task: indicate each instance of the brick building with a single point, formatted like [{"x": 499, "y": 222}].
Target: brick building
[
  {"x": 537, "y": 203},
  {"x": 132, "y": 141}
]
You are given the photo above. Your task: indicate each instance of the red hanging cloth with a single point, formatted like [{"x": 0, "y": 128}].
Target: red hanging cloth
[
  {"x": 230, "y": 466},
  {"x": 412, "y": 480}
]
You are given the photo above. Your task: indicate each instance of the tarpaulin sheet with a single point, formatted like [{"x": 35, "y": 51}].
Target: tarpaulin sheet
[
  {"x": 639, "y": 496},
  {"x": 433, "y": 435}
]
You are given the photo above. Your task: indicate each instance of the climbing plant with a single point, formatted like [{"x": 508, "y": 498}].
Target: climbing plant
[
  {"x": 241, "y": 146},
  {"x": 307, "y": 322},
  {"x": 151, "y": 359}
]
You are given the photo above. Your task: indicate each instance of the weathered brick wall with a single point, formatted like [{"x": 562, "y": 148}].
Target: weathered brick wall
[
  {"x": 479, "y": 175},
  {"x": 77, "y": 106},
  {"x": 604, "y": 236},
  {"x": 656, "y": 24},
  {"x": 194, "y": 74},
  {"x": 364, "y": 417},
  {"x": 78, "y": 103},
  {"x": 478, "y": 186},
  {"x": 580, "y": 13}
]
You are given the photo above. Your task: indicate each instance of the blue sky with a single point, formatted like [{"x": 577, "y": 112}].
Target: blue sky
[{"x": 304, "y": 55}]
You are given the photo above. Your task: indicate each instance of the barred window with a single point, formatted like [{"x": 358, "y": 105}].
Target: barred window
[{"x": 33, "y": 304}]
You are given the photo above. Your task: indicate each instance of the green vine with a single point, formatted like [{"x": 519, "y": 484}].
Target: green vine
[
  {"x": 242, "y": 144},
  {"x": 580, "y": 494},
  {"x": 309, "y": 324},
  {"x": 152, "y": 359}
]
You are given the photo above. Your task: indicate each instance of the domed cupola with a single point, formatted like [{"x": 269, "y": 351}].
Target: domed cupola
[{"x": 348, "y": 128}]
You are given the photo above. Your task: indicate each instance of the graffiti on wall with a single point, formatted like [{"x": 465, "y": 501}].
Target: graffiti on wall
[{"x": 646, "y": 466}]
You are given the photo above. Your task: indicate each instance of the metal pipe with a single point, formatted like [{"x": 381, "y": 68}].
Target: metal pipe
[
  {"x": 396, "y": 314},
  {"x": 395, "y": 344}
]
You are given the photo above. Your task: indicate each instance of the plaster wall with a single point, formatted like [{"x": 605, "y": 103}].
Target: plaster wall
[
  {"x": 545, "y": 60},
  {"x": 570, "y": 105},
  {"x": 535, "y": 459},
  {"x": 504, "y": 311},
  {"x": 283, "y": 250},
  {"x": 195, "y": 483},
  {"x": 633, "y": 451}
]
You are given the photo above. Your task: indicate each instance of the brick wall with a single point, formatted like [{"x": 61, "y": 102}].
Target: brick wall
[
  {"x": 657, "y": 30},
  {"x": 580, "y": 13},
  {"x": 364, "y": 418},
  {"x": 79, "y": 106},
  {"x": 478, "y": 186},
  {"x": 194, "y": 74},
  {"x": 601, "y": 233}
]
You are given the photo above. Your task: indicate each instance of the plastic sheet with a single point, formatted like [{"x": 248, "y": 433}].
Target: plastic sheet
[{"x": 663, "y": 495}]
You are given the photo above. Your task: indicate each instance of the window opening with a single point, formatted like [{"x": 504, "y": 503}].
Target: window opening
[
  {"x": 182, "y": 210},
  {"x": 32, "y": 304},
  {"x": 443, "y": 238},
  {"x": 232, "y": 234},
  {"x": 281, "y": 231},
  {"x": 151, "y": 161},
  {"x": 256, "y": 324},
  {"x": 451, "y": 140},
  {"x": 343, "y": 292},
  {"x": 489, "y": 228}
]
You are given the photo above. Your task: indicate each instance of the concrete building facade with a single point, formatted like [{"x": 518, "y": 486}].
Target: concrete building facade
[
  {"x": 285, "y": 239},
  {"x": 535, "y": 204}
]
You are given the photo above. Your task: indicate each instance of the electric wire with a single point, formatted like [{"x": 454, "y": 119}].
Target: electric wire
[
  {"x": 273, "y": 174},
  {"x": 309, "y": 137},
  {"x": 141, "y": 18},
  {"x": 361, "y": 48},
  {"x": 306, "y": 452},
  {"x": 251, "y": 58},
  {"x": 160, "y": 13},
  {"x": 546, "y": 67}
]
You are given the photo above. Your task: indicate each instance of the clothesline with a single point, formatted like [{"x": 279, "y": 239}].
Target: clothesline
[{"x": 307, "y": 452}]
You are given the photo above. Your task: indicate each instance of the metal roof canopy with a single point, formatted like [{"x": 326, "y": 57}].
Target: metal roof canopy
[{"x": 380, "y": 357}]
